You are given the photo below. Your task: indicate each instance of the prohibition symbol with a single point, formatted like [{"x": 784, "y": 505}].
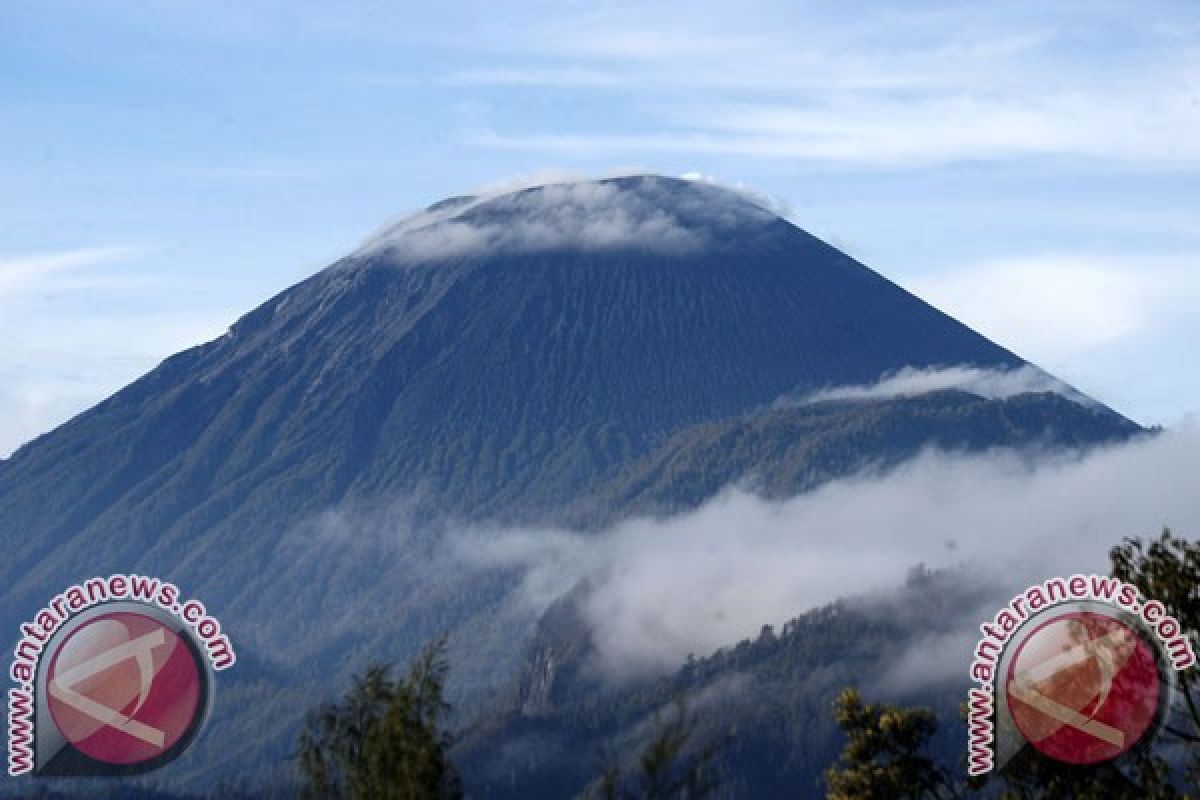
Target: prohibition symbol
[
  {"x": 1084, "y": 688},
  {"x": 123, "y": 688}
]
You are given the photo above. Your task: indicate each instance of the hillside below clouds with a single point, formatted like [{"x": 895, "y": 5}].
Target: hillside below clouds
[{"x": 576, "y": 351}]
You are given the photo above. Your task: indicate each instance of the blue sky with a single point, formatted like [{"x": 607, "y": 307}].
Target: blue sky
[{"x": 1032, "y": 168}]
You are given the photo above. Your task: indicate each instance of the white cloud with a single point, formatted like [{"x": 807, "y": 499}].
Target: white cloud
[
  {"x": 989, "y": 383},
  {"x": 776, "y": 205},
  {"x": 887, "y": 130},
  {"x": 938, "y": 658},
  {"x": 582, "y": 214},
  {"x": 38, "y": 272},
  {"x": 1162, "y": 126},
  {"x": 250, "y": 172},
  {"x": 928, "y": 86}
]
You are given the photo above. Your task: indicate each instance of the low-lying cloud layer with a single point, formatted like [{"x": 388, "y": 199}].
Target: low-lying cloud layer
[
  {"x": 655, "y": 590},
  {"x": 697, "y": 582}
]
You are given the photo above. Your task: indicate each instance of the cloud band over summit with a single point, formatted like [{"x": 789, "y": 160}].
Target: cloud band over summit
[{"x": 641, "y": 212}]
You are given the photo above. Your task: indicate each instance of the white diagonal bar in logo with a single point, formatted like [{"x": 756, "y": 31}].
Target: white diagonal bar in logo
[
  {"x": 62, "y": 687},
  {"x": 1102, "y": 648},
  {"x": 1067, "y": 716}
]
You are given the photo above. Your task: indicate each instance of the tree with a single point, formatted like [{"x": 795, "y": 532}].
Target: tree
[
  {"x": 385, "y": 740},
  {"x": 883, "y": 757}
]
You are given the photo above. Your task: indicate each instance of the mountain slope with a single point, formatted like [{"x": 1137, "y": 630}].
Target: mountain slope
[
  {"x": 771, "y": 695},
  {"x": 783, "y": 452},
  {"x": 501, "y": 376},
  {"x": 504, "y": 358}
]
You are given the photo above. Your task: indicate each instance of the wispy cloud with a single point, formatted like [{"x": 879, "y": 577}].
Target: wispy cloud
[
  {"x": 992, "y": 384},
  {"x": 928, "y": 86},
  {"x": 38, "y": 271},
  {"x": 250, "y": 172},
  {"x": 1161, "y": 128},
  {"x": 521, "y": 76},
  {"x": 587, "y": 215}
]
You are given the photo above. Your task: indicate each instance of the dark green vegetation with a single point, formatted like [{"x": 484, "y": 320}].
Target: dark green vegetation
[
  {"x": 385, "y": 739},
  {"x": 770, "y": 695},
  {"x": 784, "y": 452}
]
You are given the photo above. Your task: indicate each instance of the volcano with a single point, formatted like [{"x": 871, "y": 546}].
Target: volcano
[{"x": 493, "y": 358}]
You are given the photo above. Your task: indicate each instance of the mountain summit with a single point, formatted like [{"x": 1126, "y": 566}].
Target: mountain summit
[
  {"x": 641, "y": 213},
  {"x": 498, "y": 351},
  {"x": 494, "y": 357}
]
